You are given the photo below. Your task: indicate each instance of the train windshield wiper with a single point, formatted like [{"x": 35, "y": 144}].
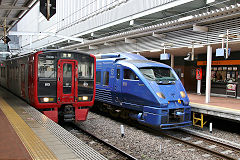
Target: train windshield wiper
[
  {"x": 166, "y": 82},
  {"x": 148, "y": 76}
]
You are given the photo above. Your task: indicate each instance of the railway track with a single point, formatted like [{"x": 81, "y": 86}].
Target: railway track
[
  {"x": 206, "y": 144},
  {"x": 105, "y": 148}
]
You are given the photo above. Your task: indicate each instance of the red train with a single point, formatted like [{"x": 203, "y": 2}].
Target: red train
[{"x": 59, "y": 83}]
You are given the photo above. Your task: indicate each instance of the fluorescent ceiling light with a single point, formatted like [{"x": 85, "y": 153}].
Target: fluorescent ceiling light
[
  {"x": 196, "y": 46},
  {"x": 131, "y": 23},
  {"x": 185, "y": 18},
  {"x": 155, "y": 50},
  {"x": 210, "y": 1}
]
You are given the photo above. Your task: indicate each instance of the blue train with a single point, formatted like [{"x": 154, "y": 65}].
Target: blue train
[{"x": 129, "y": 85}]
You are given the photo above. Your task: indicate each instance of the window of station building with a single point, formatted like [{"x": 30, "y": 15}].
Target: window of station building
[
  {"x": 106, "y": 78},
  {"x": 46, "y": 66},
  {"x": 98, "y": 77},
  {"x": 129, "y": 74},
  {"x": 118, "y": 73}
]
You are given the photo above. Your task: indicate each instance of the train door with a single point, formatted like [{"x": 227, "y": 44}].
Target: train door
[
  {"x": 67, "y": 81},
  {"x": 118, "y": 85},
  {"x": 23, "y": 94},
  {"x": 8, "y": 80},
  {"x": 30, "y": 80}
]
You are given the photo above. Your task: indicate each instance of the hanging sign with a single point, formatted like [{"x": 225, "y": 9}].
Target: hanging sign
[{"x": 199, "y": 73}]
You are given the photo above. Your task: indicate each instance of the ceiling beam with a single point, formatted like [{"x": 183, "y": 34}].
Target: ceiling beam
[{"x": 5, "y": 7}]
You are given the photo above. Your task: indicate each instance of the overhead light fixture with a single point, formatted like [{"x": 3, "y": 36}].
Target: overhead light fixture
[
  {"x": 185, "y": 18},
  {"x": 200, "y": 28},
  {"x": 158, "y": 35},
  {"x": 196, "y": 46},
  {"x": 155, "y": 50},
  {"x": 92, "y": 47},
  {"x": 131, "y": 23},
  {"x": 166, "y": 44},
  {"x": 108, "y": 44},
  {"x": 127, "y": 40},
  {"x": 210, "y": 1}
]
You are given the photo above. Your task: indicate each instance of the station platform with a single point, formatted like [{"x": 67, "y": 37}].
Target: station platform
[
  {"x": 224, "y": 107},
  {"x": 27, "y": 134}
]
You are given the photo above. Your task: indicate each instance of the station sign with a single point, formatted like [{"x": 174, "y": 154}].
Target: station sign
[
  {"x": 164, "y": 56},
  {"x": 221, "y": 52},
  {"x": 48, "y": 8}
]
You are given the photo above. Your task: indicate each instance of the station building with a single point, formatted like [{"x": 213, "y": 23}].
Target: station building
[
  {"x": 199, "y": 39},
  {"x": 183, "y": 30}
]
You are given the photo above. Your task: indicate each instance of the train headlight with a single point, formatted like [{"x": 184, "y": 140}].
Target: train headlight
[
  {"x": 183, "y": 94},
  {"x": 83, "y": 98},
  {"x": 179, "y": 101},
  {"x": 45, "y": 99},
  {"x": 161, "y": 95}
]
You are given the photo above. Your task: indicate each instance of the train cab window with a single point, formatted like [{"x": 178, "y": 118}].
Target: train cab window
[
  {"x": 106, "y": 78},
  {"x": 98, "y": 77},
  {"x": 159, "y": 74},
  {"x": 118, "y": 73},
  {"x": 46, "y": 66},
  {"x": 129, "y": 74},
  {"x": 85, "y": 68}
]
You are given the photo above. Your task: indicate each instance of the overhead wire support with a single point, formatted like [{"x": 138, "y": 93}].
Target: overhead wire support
[{"x": 5, "y": 31}]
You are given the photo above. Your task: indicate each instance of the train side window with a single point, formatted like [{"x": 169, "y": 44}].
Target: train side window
[
  {"x": 129, "y": 74},
  {"x": 106, "y": 78},
  {"x": 3, "y": 74},
  {"x": 118, "y": 73},
  {"x": 98, "y": 77}
]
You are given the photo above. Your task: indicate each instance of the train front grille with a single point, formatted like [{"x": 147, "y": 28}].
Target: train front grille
[{"x": 175, "y": 117}]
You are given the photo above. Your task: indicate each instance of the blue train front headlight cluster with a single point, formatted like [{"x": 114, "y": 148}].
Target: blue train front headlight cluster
[
  {"x": 161, "y": 95},
  {"x": 182, "y": 93}
]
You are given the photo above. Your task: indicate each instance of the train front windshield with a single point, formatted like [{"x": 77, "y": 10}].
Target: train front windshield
[{"x": 159, "y": 74}]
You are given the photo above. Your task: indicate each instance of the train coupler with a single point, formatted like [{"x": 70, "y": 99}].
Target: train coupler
[{"x": 68, "y": 113}]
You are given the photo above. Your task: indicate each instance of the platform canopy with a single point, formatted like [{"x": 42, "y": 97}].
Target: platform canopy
[{"x": 11, "y": 12}]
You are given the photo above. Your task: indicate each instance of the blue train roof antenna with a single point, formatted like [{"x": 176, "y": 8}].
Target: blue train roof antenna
[
  {"x": 132, "y": 56},
  {"x": 128, "y": 56},
  {"x": 109, "y": 55}
]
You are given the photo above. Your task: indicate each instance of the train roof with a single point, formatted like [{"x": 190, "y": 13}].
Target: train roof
[
  {"x": 20, "y": 55},
  {"x": 146, "y": 63},
  {"x": 129, "y": 58},
  {"x": 117, "y": 56}
]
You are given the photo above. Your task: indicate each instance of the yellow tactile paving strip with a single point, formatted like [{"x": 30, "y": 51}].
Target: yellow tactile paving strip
[
  {"x": 36, "y": 148},
  {"x": 207, "y": 105}
]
